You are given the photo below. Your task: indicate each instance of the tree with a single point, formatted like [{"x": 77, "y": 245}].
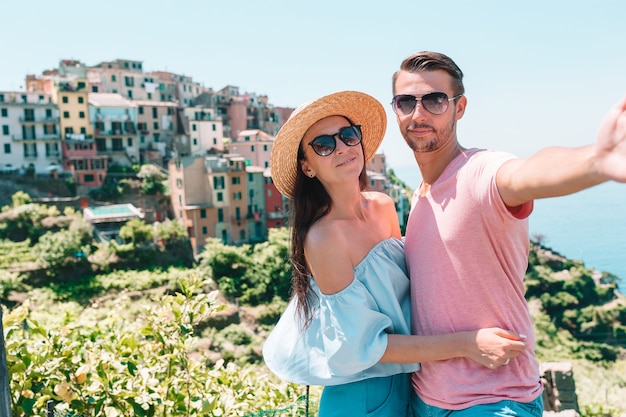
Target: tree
[
  {"x": 137, "y": 232},
  {"x": 56, "y": 250},
  {"x": 152, "y": 179}
]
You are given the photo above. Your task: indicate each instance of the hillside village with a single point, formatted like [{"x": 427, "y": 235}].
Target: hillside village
[{"x": 82, "y": 123}]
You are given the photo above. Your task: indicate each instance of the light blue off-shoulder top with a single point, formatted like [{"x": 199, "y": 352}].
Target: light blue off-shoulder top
[{"x": 348, "y": 333}]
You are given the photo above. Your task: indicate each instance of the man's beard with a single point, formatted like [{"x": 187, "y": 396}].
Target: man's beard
[{"x": 440, "y": 138}]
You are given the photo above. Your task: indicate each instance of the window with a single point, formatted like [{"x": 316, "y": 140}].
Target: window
[
  {"x": 30, "y": 150},
  {"x": 52, "y": 149},
  {"x": 242, "y": 235},
  {"x": 140, "y": 109},
  {"x": 203, "y": 213},
  {"x": 5, "y": 130},
  {"x": 48, "y": 113},
  {"x": 237, "y": 195},
  {"x": 218, "y": 182},
  {"x": 89, "y": 178},
  {"x": 7, "y": 148},
  {"x": 252, "y": 148},
  {"x": 236, "y": 180},
  {"x": 130, "y": 94},
  {"x": 237, "y": 213},
  {"x": 80, "y": 165},
  {"x": 97, "y": 163},
  {"x": 155, "y": 113},
  {"x": 220, "y": 215},
  {"x": 4, "y": 112},
  {"x": 204, "y": 230},
  {"x": 179, "y": 183},
  {"x": 80, "y": 85},
  {"x": 117, "y": 144},
  {"x": 81, "y": 114},
  {"x": 250, "y": 177},
  {"x": 66, "y": 115},
  {"x": 129, "y": 81},
  {"x": 28, "y": 132},
  {"x": 81, "y": 100},
  {"x": 129, "y": 142},
  {"x": 113, "y": 78},
  {"x": 264, "y": 148},
  {"x": 64, "y": 99},
  {"x": 156, "y": 125},
  {"x": 214, "y": 127},
  {"x": 220, "y": 196},
  {"x": 194, "y": 127}
]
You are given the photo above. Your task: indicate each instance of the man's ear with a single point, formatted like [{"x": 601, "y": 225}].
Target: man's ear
[{"x": 461, "y": 103}]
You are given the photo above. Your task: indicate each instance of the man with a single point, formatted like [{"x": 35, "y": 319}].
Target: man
[{"x": 467, "y": 236}]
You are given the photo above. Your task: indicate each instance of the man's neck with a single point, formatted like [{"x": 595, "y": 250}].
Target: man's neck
[{"x": 432, "y": 164}]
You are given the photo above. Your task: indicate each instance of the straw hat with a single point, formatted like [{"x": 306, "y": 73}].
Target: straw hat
[{"x": 360, "y": 108}]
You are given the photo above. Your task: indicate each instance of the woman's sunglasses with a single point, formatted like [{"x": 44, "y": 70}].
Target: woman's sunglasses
[
  {"x": 435, "y": 103},
  {"x": 325, "y": 145}
]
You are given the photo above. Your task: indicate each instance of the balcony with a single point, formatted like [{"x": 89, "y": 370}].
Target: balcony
[
  {"x": 277, "y": 215},
  {"x": 24, "y": 119},
  {"x": 77, "y": 136},
  {"x": 115, "y": 132},
  {"x": 51, "y": 137}
]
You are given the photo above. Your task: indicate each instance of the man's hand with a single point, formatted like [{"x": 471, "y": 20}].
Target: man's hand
[{"x": 611, "y": 144}]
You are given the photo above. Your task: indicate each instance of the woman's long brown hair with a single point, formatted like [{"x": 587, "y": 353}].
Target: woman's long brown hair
[{"x": 310, "y": 203}]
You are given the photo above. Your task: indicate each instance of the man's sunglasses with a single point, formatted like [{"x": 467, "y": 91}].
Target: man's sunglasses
[
  {"x": 325, "y": 145},
  {"x": 435, "y": 103}
]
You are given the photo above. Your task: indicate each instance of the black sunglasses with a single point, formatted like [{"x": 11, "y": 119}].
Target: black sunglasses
[
  {"x": 324, "y": 145},
  {"x": 435, "y": 103}
]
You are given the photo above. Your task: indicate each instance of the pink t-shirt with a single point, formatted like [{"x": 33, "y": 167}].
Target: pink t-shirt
[{"x": 467, "y": 256}]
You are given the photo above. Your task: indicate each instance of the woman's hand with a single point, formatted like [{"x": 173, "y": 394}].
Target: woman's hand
[{"x": 494, "y": 347}]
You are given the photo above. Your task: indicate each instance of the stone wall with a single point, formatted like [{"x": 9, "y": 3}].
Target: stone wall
[{"x": 559, "y": 394}]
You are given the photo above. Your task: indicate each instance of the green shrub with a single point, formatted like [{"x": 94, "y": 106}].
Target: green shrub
[{"x": 100, "y": 362}]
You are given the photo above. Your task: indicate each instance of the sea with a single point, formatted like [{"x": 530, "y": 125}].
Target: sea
[{"x": 589, "y": 226}]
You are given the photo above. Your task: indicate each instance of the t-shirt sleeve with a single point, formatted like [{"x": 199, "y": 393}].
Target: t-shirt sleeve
[{"x": 485, "y": 168}]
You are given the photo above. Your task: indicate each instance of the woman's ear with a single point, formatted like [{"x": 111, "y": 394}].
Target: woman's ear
[{"x": 304, "y": 166}]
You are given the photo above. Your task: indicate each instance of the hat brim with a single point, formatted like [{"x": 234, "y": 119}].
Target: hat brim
[{"x": 360, "y": 108}]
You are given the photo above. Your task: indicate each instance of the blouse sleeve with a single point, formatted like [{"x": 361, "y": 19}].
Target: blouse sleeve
[{"x": 344, "y": 342}]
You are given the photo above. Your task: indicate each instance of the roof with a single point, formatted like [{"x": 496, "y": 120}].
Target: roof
[
  {"x": 109, "y": 100},
  {"x": 156, "y": 103},
  {"x": 112, "y": 213}
]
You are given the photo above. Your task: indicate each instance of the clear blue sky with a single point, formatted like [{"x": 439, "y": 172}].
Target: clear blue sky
[{"x": 536, "y": 72}]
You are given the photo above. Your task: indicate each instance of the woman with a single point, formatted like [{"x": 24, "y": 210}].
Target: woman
[{"x": 347, "y": 325}]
